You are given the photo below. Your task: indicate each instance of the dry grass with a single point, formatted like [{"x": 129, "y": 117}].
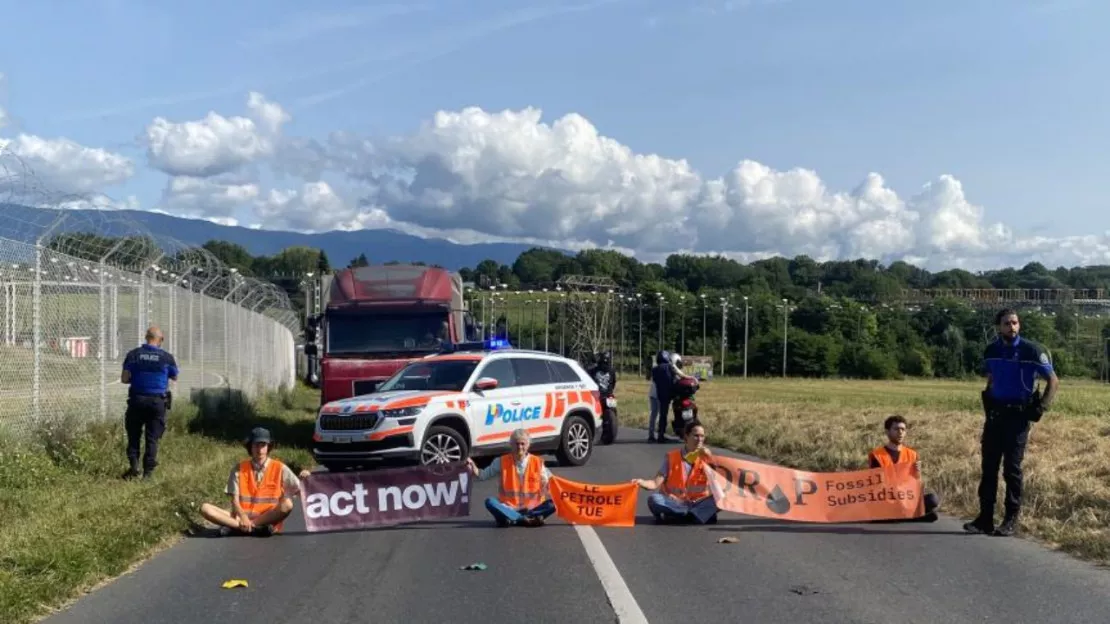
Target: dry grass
[{"x": 828, "y": 425}]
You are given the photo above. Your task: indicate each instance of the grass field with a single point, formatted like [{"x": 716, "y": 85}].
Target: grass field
[
  {"x": 69, "y": 522},
  {"x": 827, "y": 425}
]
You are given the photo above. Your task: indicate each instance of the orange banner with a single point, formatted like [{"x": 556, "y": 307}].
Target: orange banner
[
  {"x": 771, "y": 491},
  {"x": 587, "y": 503}
]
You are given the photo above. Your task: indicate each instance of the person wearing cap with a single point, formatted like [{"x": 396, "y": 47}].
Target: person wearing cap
[
  {"x": 261, "y": 490},
  {"x": 148, "y": 369}
]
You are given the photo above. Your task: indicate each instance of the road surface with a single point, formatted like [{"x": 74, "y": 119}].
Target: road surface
[{"x": 778, "y": 572}]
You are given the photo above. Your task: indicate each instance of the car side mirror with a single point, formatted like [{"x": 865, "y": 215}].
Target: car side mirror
[{"x": 485, "y": 383}]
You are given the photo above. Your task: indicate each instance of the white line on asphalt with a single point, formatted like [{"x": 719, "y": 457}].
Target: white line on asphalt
[{"x": 624, "y": 604}]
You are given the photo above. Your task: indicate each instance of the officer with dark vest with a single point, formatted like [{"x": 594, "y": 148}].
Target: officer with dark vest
[
  {"x": 149, "y": 370},
  {"x": 1011, "y": 403}
]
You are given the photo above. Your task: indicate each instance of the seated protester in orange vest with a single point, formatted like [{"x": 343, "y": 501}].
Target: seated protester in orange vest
[
  {"x": 684, "y": 494},
  {"x": 261, "y": 489},
  {"x": 522, "y": 496},
  {"x": 896, "y": 452}
]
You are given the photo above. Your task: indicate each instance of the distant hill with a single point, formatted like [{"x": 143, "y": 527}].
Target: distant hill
[{"x": 379, "y": 245}]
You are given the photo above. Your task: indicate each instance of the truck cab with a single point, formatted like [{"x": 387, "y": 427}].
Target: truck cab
[{"x": 377, "y": 319}]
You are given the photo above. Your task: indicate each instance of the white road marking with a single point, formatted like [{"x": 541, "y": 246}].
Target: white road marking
[{"x": 624, "y": 604}]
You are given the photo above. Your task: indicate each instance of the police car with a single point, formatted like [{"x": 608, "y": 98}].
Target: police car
[{"x": 465, "y": 401}]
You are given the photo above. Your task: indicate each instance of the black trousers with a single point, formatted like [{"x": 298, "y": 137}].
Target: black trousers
[
  {"x": 1005, "y": 436},
  {"x": 664, "y": 410},
  {"x": 145, "y": 414}
]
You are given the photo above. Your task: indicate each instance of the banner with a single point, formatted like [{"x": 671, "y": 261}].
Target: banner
[
  {"x": 700, "y": 366},
  {"x": 334, "y": 501},
  {"x": 770, "y": 491},
  {"x": 586, "y": 503}
]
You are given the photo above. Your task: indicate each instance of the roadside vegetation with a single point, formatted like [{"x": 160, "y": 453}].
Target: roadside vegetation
[
  {"x": 70, "y": 522},
  {"x": 826, "y": 425}
]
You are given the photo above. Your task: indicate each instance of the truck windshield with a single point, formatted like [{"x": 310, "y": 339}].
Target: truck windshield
[
  {"x": 381, "y": 332},
  {"x": 442, "y": 375}
]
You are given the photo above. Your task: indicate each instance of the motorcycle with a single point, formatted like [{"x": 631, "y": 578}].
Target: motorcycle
[
  {"x": 684, "y": 407},
  {"x": 609, "y": 419}
]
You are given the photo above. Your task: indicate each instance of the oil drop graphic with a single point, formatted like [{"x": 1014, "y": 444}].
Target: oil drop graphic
[{"x": 777, "y": 501}]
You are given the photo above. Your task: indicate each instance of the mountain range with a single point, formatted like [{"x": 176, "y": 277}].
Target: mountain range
[{"x": 380, "y": 245}]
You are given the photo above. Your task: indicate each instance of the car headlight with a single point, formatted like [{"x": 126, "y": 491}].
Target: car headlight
[{"x": 401, "y": 412}]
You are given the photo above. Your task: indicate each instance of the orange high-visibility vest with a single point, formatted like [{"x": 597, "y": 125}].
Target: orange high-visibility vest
[
  {"x": 516, "y": 492},
  {"x": 879, "y": 454},
  {"x": 256, "y": 498},
  {"x": 688, "y": 489}
]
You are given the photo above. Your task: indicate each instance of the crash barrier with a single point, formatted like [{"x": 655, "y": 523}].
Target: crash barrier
[{"x": 356, "y": 500}]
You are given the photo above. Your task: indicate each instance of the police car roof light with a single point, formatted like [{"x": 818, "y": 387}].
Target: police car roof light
[{"x": 477, "y": 345}]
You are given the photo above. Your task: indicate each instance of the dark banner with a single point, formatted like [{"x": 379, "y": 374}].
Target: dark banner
[{"x": 334, "y": 501}]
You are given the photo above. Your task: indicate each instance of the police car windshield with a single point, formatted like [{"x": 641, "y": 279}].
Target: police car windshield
[
  {"x": 383, "y": 332},
  {"x": 449, "y": 375}
]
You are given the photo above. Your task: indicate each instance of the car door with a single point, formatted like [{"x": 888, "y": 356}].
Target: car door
[
  {"x": 491, "y": 411},
  {"x": 533, "y": 377}
]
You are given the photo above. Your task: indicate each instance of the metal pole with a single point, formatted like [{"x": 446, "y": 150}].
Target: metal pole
[
  {"x": 704, "y": 339},
  {"x": 547, "y": 323},
  {"x": 724, "y": 319},
  {"x": 785, "y": 328},
  {"x": 745, "y": 337},
  {"x": 640, "y": 365}
]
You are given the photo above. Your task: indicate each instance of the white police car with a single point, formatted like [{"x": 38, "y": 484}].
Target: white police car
[{"x": 461, "y": 403}]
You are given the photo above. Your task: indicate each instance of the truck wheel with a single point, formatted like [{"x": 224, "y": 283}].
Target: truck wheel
[
  {"x": 443, "y": 445},
  {"x": 577, "y": 444}
]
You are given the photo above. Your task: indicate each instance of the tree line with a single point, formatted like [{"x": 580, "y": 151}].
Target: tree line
[{"x": 843, "y": 318}]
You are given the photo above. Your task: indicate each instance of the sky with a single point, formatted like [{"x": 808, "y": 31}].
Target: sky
[{"x": 946, "y": 133}]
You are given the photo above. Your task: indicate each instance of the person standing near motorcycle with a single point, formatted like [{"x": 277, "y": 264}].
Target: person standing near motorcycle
[
  {"x": 605, "y": 376},
  {"x": 662, "y": 377}
]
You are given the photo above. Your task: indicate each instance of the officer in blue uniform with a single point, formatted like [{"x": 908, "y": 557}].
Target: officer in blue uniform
[
  {"x": 149, "y": 369},
  {"x": 1012, "y": 403}
]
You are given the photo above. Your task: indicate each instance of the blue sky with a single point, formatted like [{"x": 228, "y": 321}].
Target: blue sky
[{"x": 1005, "y": 96}]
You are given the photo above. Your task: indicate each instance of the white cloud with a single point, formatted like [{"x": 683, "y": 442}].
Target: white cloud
[
  {"x": 216, "y": 144},
  {"x": 208, "y": 198},
  {"x": 509, "y": 176},
  {"x": 31, "y": 166}
]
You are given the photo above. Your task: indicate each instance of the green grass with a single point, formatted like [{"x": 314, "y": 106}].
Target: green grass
[
  {"x": 70, "y": 523},
  {"x": 829, "y": 425}
]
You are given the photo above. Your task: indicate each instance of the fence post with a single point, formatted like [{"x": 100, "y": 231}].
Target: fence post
[
  {"x": 36, "y": 331},
  {"x": 103, "y": 348}
]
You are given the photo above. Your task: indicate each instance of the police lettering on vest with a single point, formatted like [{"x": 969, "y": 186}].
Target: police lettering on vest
[
  {"x": 1014, "y": 367},
  {"x": 151, "y": 369}
]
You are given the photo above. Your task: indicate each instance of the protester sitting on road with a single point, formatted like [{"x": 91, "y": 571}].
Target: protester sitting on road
[
  {"x": 685, "y": 495},
  {"x": 522, "y": 496},
  {"x": 261, "y": 489},
  {"x": 894, "y": 452}
]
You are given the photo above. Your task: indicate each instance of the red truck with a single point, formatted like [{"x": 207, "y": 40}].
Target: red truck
[{"x": 374, "y": 320}]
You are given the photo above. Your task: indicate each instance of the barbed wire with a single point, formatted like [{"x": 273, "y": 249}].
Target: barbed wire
[{"x": 92, "y": 232}]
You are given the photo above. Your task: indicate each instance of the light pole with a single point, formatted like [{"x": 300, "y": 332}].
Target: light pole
[
  {"x": 682, "y": 309},
  {"x": 745, "y": 337},
  {"x": 704, "y": 340},
  {"x": 785, "y": 328},
  {"x": 660, "y": 296},
  {"x": 640, "y": 329},
  {"x": 724, "y": 319},
  {"x": 546, "y": 319}
]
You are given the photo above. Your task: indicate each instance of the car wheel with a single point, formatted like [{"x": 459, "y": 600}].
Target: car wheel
[
  {"x": 577, "y": 444},
  {"x": 443, "y": 445}
]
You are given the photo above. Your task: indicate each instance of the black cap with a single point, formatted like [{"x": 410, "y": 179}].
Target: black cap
[{"x": 259, "y": 434}]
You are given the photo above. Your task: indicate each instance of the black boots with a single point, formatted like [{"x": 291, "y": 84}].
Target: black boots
[{"x": 985, "y": 524}]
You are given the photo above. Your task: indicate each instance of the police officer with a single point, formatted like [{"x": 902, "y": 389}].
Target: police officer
[
  {"x": 149, "y": 370},
  {"x": 1011, "y": 403}
]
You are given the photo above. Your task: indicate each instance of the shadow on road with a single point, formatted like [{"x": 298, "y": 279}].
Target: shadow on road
[{"x": 835, "y": 529}]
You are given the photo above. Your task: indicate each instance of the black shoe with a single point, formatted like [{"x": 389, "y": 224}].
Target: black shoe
[
  {"x": 1008, "y": 526},
  {"x": 148, "y": 475},
  {"x": 930, "y": 517},
  {"x": 712, "y": 519},
  {"x": 131, "y": 474},
  {"x": 982, "y": 524}
]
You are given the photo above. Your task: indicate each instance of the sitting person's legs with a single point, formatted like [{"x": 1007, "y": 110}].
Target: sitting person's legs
[{"x": 269, "y": 518}]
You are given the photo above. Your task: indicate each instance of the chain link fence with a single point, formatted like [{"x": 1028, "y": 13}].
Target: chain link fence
[{"x": 79, "y": 287}]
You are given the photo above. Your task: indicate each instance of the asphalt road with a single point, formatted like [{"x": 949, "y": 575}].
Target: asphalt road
[{"x": 777, "y": 573}]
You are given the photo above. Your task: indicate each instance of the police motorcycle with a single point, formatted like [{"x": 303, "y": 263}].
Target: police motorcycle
[
  {"x": 606, "y": 379},
  {"x": 683, "y": 405}
]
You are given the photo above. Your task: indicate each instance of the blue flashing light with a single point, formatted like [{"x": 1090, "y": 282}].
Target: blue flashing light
[{"x": 492, "y": 344}]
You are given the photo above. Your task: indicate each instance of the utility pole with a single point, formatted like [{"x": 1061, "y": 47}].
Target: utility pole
[
  {"x": 785, "y": 326},
  {"x": 745, "y": 337},
  {"x": 724, "y": 318}
]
